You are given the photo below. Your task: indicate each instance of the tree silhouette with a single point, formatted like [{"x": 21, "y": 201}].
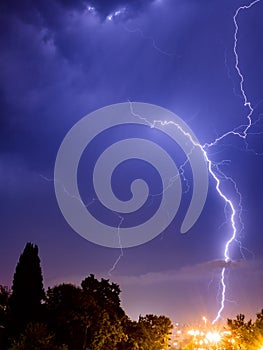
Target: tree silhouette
[
  {"x": 107, "y": 313},
  {"x": 27, "y": 290},
  {"x": 87, "y": 317},
  {"x": 105, "y": 293}
]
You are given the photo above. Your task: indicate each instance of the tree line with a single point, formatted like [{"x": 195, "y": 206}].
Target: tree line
[{"x": 69, "y": 317}]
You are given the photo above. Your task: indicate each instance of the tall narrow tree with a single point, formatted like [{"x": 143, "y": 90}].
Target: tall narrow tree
[{"x": 27, "y": 290}]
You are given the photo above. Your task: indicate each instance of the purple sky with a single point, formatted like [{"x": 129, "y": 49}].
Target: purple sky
[{"x": 62, "y": 59}]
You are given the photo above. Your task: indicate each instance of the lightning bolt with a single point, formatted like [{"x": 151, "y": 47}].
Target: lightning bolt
[
  {"x": 242, "y": 132},
  {"x": 151, "y": 39},
  {"x": 120, "y": 245},
  {"x": 87, "y": 205},
  {"x": 243, "y": 135}
]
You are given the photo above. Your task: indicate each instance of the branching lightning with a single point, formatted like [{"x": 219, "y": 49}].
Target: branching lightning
[
  {"x": 240, "y": 131},
  {"x": 87, "y": 205}
]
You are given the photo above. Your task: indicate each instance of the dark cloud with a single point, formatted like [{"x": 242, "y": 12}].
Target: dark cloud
[{"x": 219, "y": 264}]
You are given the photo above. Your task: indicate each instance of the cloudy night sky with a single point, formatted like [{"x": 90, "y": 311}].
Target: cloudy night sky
[{"x": 61, "y": 60}]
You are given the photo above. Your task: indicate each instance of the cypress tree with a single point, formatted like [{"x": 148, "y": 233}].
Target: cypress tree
[{"x": 27, "y": 290}]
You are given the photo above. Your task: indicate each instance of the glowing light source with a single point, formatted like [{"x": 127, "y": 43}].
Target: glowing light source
[{"x": 213, "y": 337}]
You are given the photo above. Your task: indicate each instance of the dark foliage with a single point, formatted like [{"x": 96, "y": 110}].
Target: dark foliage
[
  {"x": 68, "y": 317},
  {"x": 247, "y": 334},
  {"x": 27, "y": 289}
]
